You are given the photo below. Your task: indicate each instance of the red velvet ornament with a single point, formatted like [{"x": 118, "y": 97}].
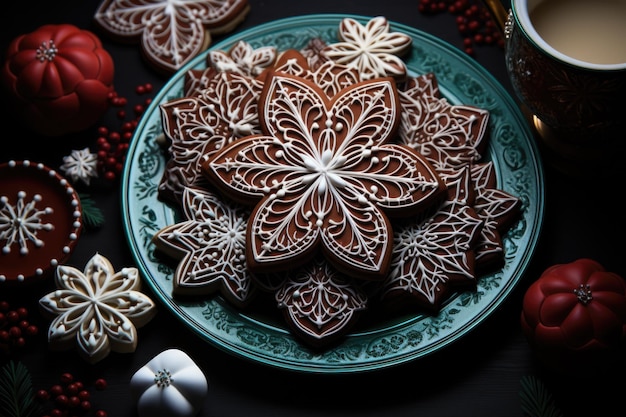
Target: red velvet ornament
[
  {"x": 574, "y": 316},
  {"x": 59, "y": 78}
]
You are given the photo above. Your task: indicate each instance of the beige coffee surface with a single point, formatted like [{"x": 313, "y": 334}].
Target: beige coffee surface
[{"x": 593, "y": 31}]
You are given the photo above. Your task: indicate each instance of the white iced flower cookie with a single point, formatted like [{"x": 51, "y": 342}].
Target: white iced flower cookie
[
  {"x": 373, "y": 49},
  {"x": 80, "y": 165},
  {"x": 98, "y": 310},
  {"x": 170, "y": 385}
]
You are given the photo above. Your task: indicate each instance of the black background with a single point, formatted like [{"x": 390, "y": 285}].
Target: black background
[{"x": 478, "y": 375}]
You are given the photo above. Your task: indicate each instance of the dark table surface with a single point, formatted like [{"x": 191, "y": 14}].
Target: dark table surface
[{"x": 478, "y": 375}]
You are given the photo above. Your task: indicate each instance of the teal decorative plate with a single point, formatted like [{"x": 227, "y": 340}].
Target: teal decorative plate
[{"x": 266, "y": 340}]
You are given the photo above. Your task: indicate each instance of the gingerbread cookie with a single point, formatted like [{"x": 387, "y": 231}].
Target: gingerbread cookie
[
  {"x": 210, "y": 245},
  {"x": 98, "y": 310},
  {"x": 197, "y": 126},
  {"x": 323, "y": 176},
  {"x": 320, "y": 304},
  {"x": 498, "y": 209},
  {"x": 40, "y": 220},
  {"x": 171, "y": 33},
  {"x": 449, "y": 136},
  {"x": 433, "y": 255}
]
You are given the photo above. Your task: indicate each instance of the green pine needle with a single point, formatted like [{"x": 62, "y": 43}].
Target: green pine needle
[
  {"x": 17, "y": 398},
  {"x": 92, "y": 215},
  {"x": 536, "y": 400}
]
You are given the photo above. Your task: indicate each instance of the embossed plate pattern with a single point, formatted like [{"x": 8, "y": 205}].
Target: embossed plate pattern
[{"x": 266, "y": 341}]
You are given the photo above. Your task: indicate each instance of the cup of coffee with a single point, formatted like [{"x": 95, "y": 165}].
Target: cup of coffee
[{"x": 566, "y": 60}]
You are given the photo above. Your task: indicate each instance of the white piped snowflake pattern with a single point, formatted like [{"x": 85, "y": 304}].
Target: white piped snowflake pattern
[
  {"x": 372, "y": 49},
  {"x": 325, "y": 175},
  {"x": 211, "y": 246},
  {"x": 171, "y": 32},
  {"x": 98, "y": 310},
  {"x": 80, "y": 166},
  {"x": 21, "y": 222}
]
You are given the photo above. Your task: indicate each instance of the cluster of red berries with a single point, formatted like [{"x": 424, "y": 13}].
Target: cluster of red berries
[
  {"x": 473, "y": 20},
  {"x": 14, "y": 327},
  {"x": 113, "y": 144},
  {"x": 70, "y": 398}
]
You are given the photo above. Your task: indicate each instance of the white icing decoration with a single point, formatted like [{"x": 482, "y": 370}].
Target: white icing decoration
[
  {"x": 98, "y": 309},
  {"x": 447, "y": 135},
  {"x": 169, "y": 385},
  {"x": 172, "y": 32},
  {"x": 242, "y": 59},
  {"x": 432, "y": 251},
  {"x": 21, "y": 222},
  {"x": 211, "y": 244},
  {"x": 372, "y": 49},
  {"x": 319, "y": 301},
  {"x": 323, "y": 171},
  {"x": 80, "y": 165},
  {"x": 219, "y": 113}
]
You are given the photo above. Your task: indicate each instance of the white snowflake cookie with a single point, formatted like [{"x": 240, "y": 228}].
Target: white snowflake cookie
[
  {"x": 98, "y": 310},
  {"x": 80, "y": 166}
]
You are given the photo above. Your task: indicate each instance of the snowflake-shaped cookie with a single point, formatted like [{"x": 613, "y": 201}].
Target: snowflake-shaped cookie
[
  {"x": 433, "y": 255},
  {"x": 171, "y": 32},
  {"x": 211, "y": 247},
  {"x": 80, "y": 165},
  {"x": 372, "y": 49},
  {"x": 449, "y": 136},
  {"x": 324, "y": 175},
  {"x": 319, "y": 303},
  {"x": 98, "y": 310},
  {"x": 199, "y": 125},
  {"x": 497, "y": 208},
  {"x": 242, "y": 59}
]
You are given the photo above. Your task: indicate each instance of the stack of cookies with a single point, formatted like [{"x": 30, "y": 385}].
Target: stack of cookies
[{"x": 330, "y": 181}]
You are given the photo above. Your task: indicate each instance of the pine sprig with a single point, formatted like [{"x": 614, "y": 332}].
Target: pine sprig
[
  {"x": 536, "y": 400},
  {"x": 92, "y": 215},
  {"x": 17, "y": 398}
]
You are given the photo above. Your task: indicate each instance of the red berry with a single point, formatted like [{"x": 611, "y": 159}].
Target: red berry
[
  {"x": 15, "y": 332},
  {"x": 62, "y": 400},
  {"x": 84, "y": 395},
  {"x": 140, "y": 89},
  {"x": 66, "y": 378},
  {"x": 56, "y": 390},
  {"x": 109, "y": 176},
  {"x": 43, "y": 395},
  {"x": 22, "y": 312},
  {"x": 74, "y": 401},
  {"x": 13, "y": 316},
  {"x": 101, "y": 384},
  {"x": 101, "y": 413},
  {"x": 85, "y": 405},
  {"x": 32, "y": 330}
]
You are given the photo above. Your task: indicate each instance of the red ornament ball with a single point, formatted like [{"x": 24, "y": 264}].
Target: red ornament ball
[
  {"x": 58, "y": 78},
  {"x": 574, "y": 316}
]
